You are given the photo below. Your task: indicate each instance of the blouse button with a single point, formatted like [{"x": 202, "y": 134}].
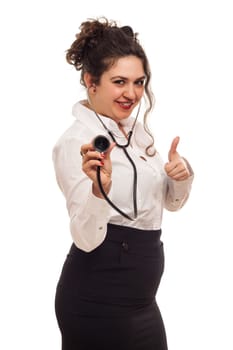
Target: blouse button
[{"x": 125, "y": 246}]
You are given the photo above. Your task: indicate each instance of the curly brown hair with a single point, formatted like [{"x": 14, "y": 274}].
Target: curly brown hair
[{"x": 98, "y": 45}]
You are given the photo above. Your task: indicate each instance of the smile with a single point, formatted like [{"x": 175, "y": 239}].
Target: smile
[{"x": 125, "y": 105}]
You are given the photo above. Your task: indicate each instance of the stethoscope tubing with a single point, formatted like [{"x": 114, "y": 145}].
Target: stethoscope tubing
[{"x": 123, "y": 147}]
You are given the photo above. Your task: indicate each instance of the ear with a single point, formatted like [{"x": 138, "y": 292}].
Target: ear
[{"x": 88, "y": 80}]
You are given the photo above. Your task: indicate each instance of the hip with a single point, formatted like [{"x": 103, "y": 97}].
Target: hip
[{"x": 125, "y": 269}]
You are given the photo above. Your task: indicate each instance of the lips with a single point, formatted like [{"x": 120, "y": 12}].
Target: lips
[{"x": 125, "y": 105}]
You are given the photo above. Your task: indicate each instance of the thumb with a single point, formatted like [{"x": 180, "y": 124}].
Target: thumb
[{"x": 172, "y": 154}]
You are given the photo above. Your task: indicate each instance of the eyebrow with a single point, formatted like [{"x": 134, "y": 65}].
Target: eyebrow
[{"x": 124, "y": 78}]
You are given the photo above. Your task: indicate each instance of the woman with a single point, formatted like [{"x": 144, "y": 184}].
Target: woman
[{"x": 106, "y": 294}]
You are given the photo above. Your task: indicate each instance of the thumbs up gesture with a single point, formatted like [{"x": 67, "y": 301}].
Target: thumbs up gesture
[{"x": 176, "y": 167}]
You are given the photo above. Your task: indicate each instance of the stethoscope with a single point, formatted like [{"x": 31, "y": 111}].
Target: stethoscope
[{"x": 101, "y": 144}]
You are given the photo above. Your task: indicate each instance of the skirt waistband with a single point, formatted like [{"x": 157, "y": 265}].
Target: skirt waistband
[{"x": 133, "y": 235}]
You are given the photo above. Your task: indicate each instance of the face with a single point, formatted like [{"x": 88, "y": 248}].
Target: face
[{"x": 120, "y": 90}]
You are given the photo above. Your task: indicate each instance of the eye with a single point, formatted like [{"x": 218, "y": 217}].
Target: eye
[
  {"x": 119, "y": 82},
  {"x": 140, "y": 82}
]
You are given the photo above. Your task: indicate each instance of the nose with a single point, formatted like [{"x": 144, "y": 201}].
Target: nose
[{"x": 130, "y": 92}]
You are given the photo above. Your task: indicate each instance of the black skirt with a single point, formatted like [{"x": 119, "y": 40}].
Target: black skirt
[{"x": 105, "y": 299}]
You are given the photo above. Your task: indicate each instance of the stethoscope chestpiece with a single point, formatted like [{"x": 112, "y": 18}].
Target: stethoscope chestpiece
[{"x": 101, "y": 143}]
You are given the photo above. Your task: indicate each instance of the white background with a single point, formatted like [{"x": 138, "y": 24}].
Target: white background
[{"x": 189, "y": 45}]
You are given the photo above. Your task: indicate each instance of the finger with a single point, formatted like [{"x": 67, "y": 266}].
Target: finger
[
  {"x": 179, "y": 173},
  {"x": 93, "y": 155},
  {"x": 173, "y": 168},
  {"x": 173, "y": 149},
  {"x": 85, "y": 148},
  {"x": 183, "y": 175},
  {"x": 91, "y": 165}
]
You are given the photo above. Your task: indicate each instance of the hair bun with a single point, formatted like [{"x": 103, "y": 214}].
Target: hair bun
[{"x": 128, "y": 30}]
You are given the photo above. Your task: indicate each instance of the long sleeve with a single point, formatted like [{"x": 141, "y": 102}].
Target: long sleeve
[{"x": 88, "y": 214}]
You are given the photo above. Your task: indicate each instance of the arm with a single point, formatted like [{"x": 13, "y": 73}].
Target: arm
[
  {"x": 88, "y": 213},
  {"x": 180, "y": 177}
]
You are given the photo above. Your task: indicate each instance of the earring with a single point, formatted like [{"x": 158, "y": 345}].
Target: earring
[{"x": 92, "y": 89}]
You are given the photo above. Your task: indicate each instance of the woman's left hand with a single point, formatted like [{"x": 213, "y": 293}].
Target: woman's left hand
[{"x": 176, "y": 168}]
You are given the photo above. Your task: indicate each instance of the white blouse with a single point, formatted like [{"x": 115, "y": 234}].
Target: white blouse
[{"x": 90, "y": 215}]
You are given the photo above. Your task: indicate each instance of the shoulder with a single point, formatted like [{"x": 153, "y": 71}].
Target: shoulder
[{"x": 80, "y": 129}]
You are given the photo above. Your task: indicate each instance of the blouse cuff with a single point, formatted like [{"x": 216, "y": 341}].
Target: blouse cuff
[{"x": 98, "y": 206}]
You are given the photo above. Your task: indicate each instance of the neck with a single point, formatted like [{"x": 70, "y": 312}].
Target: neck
[{"x": 87, "y": 104}]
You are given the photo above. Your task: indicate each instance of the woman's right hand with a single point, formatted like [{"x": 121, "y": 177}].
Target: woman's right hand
[{"x": 91, "y": 160}]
